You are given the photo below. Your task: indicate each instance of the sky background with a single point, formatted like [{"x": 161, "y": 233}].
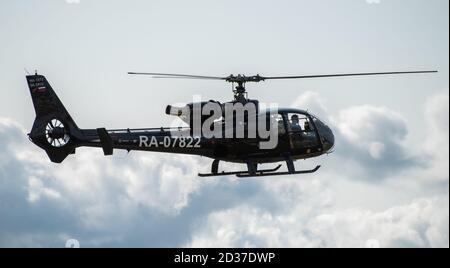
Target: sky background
[{"x": 387, "y": 183}]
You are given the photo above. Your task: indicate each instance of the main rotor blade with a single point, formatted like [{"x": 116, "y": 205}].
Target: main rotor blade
[
  {"x": 342, "y": 75},
  {"x": 188, "y": 76},
  {"x": 185, "y": 77}
]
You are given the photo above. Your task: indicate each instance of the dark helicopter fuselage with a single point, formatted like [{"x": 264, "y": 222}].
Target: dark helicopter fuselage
[{"x": 299, "y": 143}]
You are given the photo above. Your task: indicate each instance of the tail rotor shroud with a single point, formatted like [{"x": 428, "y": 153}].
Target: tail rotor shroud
[{"x": 56, "y": 133}]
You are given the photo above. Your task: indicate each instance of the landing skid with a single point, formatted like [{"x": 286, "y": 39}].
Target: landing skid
[
  {"x": 254, "y": 172},
  {"x": 267, "y": 174},
  {"x": 238, "y": 173}
]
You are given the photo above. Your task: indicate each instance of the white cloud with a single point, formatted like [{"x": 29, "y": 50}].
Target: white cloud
[
  {"x": 369, "y": 139},
  {"x": 305, "y": 214},
  {"x": 422, "y": 223},
  {"x": 375, "y": 132},
  {"x": 312, "y": 102},
  {"x": 367, "y": 122},
  {"x": 115, "y": 186},
  {"x": 436, "y": 145},
  {"x": 36, "y": 189},
  {"x": 73, "y": 1},
  {"x": 377, "y": 150}
]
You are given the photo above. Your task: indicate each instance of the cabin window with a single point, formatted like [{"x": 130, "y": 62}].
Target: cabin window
[
  {"x": 302, "y": 131},
  {"x": 300, "y": 123},
  {"x": 278, "y": 119}
]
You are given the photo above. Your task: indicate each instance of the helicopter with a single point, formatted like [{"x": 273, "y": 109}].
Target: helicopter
[{"x": 299, "y": 134}]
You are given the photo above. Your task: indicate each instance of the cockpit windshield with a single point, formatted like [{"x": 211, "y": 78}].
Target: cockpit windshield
[
  {"x": 319, "y": 123},
  {"x": 325, "y": 133},
  {"x": 300, "y": 123}
]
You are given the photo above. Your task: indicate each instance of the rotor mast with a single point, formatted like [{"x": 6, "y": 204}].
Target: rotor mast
[{"x": 240, "y": 93}]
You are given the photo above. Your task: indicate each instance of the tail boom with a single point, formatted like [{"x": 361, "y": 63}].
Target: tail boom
[{"x": 56, "y": 132}]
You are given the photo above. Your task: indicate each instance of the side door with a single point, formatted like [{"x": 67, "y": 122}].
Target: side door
[{"x": 303, "y": 138}]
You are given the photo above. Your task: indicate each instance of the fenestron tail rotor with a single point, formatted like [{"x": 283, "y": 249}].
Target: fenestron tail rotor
[{"x": 56, "y": 134}]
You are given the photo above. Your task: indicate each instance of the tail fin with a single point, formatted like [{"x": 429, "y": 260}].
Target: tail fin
[{"x": 53, "y": 127}]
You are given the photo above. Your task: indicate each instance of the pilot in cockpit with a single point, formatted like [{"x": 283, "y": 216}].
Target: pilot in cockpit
[
  {"x": 307, "y": 127},
  {"x": 295, "y": 124}
]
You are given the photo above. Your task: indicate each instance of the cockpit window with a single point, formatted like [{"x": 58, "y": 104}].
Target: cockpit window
[
  {"x": 316, "y": 120},
  {"x": 280, "y": 123},
  {"x": 300, "y": 123}
]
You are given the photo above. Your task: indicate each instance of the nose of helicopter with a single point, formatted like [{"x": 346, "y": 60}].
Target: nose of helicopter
[{"x": 327, "y": 139}]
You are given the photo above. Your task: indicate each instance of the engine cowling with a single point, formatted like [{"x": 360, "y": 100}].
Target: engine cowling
[{"x": 186, "y": 113}]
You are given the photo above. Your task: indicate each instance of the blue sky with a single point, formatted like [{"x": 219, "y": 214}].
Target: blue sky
[{"x": 388, "y": 178}]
